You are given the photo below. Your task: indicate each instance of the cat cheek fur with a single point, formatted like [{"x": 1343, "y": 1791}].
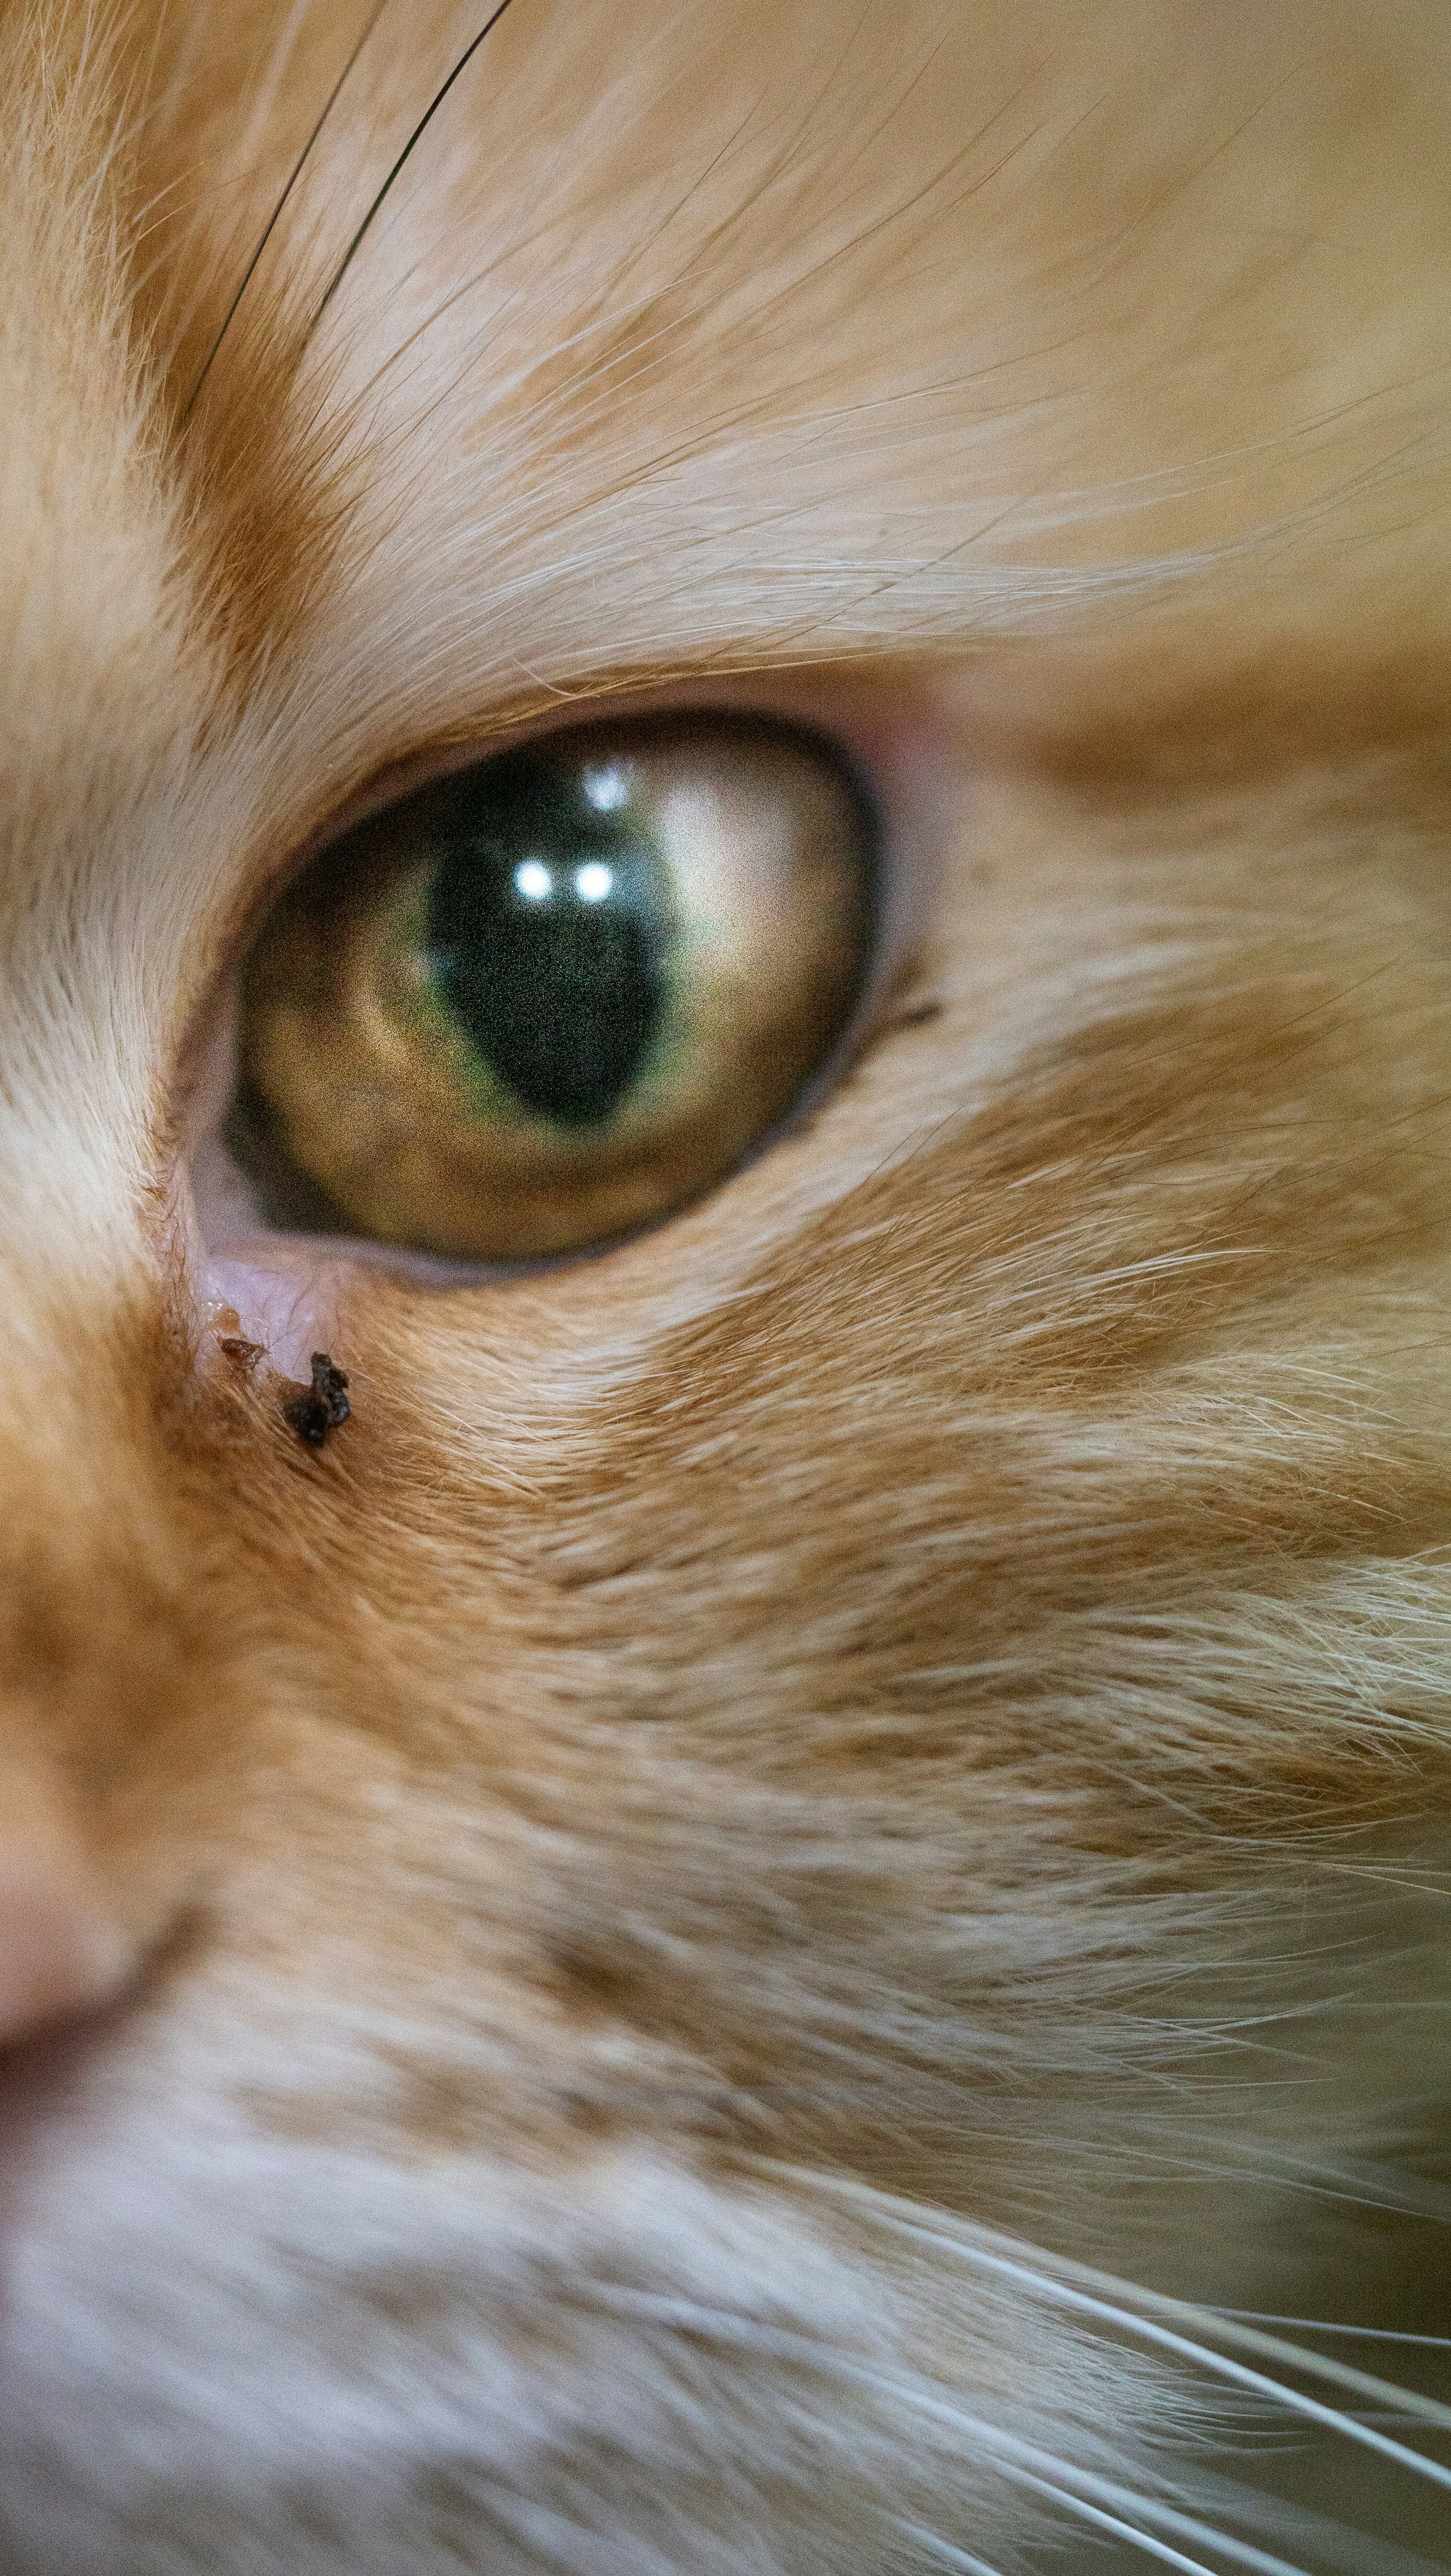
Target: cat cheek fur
[{"x": 678, "y": 1953}]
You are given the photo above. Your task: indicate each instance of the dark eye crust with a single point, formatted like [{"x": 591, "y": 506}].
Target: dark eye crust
[{"x": 528, "y": 1008}]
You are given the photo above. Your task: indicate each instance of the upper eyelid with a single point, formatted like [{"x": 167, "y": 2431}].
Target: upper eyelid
[
  {"x": 395, "y": 779},
  {"x": 428, "y": 764},
  {"x": 846, "y": 713}
]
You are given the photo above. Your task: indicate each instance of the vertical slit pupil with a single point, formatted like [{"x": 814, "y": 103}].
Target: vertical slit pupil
[{"x": 549, "y": 928}]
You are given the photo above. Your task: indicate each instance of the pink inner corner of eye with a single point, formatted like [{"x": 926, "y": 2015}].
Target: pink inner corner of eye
[{"x": 290, "y": 1313}]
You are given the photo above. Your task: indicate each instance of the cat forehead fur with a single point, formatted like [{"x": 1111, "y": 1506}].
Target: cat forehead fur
[{"x": 649, "y": 1900}]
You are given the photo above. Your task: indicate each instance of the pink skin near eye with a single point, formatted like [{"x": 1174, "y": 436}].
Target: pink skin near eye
[
  {"x": 288, "y": 1311},
  {"x": 275, "y": 1292}
]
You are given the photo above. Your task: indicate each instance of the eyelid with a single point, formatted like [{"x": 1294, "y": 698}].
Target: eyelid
[{"x": 892, "y": 733}]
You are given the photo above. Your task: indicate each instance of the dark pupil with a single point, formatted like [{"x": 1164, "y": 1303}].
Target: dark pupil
[{"x": 549, "y": 923}]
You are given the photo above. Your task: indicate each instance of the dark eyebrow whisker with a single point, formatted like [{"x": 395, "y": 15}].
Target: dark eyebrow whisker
[
  {"x": 435, "y": 103},
  {"x": 249, "y": 272}
]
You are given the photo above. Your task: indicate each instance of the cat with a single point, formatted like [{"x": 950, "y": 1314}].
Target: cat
[{"x": 736, "y": 1867}]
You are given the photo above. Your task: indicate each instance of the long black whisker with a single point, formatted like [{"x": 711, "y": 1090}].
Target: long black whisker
[
  {"x": 420, "y": 129},
  {"x": 273, "y": 220}
]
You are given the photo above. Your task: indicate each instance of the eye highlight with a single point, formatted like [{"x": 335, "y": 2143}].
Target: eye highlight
[{"x": 553, "y": 996}]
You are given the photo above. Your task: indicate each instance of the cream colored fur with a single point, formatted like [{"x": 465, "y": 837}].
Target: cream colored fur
[{"x": 684, "y": 1954}]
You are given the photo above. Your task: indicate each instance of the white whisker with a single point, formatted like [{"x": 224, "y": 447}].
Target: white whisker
[
  {"x": 1334, "y": 2544},
  {"x": 1098, "y": 2498},
  {"x": 1062, "y": 2284},
  {"x": 1328, "y": 2326},
  {"x": 1086, "y": 2491},
  {"x": 946, "y": 2553},
  {"x": 1188, "y": 2526},
  {"x": 1083, "y": 2511}
]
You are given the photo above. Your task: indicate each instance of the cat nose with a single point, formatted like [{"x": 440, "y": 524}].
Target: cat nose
[{"x": 62, "y": 1948}]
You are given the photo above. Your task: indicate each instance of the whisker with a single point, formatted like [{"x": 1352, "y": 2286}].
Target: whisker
[
  {"x": 1239, "y": 2374},
  {"x": 1188, "y": 2526},
  {"x": 946, "y": 2553},
  {"x": 1083, "y": 2511},
  {"x": 1328, "y": 2326},
  {"x": 273, "y": 220},
  {"x": 1088, "y": 2492},
  {"x": 1062, "y": 2283},
  {"x": 1334, "y": 2544},
  {"x": 420, "y": 129},
  {"x": 1028, "y": 2466}
]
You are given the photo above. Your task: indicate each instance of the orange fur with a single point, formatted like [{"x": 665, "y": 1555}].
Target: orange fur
[{"x": 663, "y": 1961}]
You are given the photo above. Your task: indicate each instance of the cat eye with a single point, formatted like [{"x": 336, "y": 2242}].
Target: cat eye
[{"x": 551, "y": 997}]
